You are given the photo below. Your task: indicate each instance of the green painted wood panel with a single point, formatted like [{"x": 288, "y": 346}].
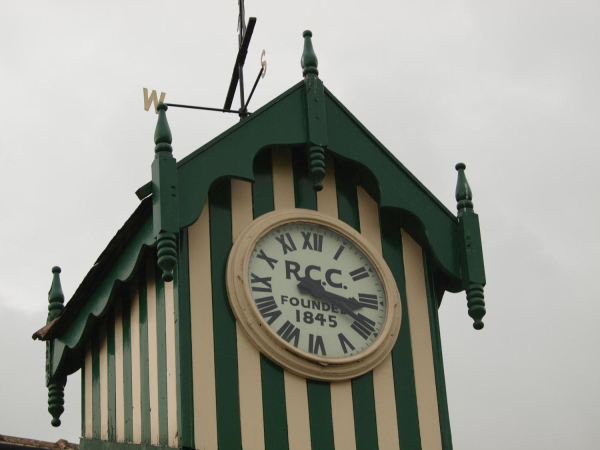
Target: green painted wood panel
[
  {"x": 273, "y": 385},
  {"x": 229, "y": 433},
  {"x": 402, "y": 358},
  {"x": 438, "y": 361},
  {"x": 363, "y": 397},
  {"x": 96, "y": 386},
  {"x": 319, "y": 392},
  {"x": 144, "y": 358},
  {"x": 112, "y": 377},
  {"x": 161, "y": 356},
  {"x": 183, "y": 345},
  {"x": 127, "y": 393}
]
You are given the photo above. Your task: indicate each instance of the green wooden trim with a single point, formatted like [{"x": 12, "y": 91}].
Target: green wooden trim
[
  {"x": 183, "y": 345},
  {"x": 402, "y": 357},
  {"x": 161, "y": 355},
  {"x": 319, "y": 392},
  {"x": 144, "y": 356},
  {"x": 94, "y": 296},
  {"x": 96, "y": 386},
  {"x": 438, "y": 360},
  {"x": 273, "y": 385},
  {"x": 432, "y": 224},
  {"x": 83, "y": 397},
  {"x": 231, "y": 154},
  {"x": 127, "y": 367},
  {"x": 229, "y": 434},
  {"x": 363, "y": 396},
  {"x": 93, "y": 444},
  {"x": 112, "y": 377}
]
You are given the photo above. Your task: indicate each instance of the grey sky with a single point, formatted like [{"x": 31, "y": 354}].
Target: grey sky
[{"x": 511, "y": 88}]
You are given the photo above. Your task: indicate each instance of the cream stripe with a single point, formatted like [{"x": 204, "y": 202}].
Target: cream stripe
[
  {"x": 88, "y": 389},
  {"x": 327, "y": 197},
  {"x": 420, "y": 338},
  {"x": 203, "y": 357},
  {"x": 283, "y": 179},
  {"x": 171, "y": 365},
  {"x": 152, "y": 352},
  {"x": 342, "y": 411},
  {"x": 120, "y": 406},
  {"x": 296, "y": 395},
  {"x": 251, "y": 407},
  {"x": 383, "y": 374},
  {"x": 136, "y": 393},
  {"x": 296, "y": 402},
  {"x": 103, "y": 381}
]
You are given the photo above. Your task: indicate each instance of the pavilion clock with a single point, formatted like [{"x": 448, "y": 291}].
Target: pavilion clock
[{"x": 313, "y": 295}]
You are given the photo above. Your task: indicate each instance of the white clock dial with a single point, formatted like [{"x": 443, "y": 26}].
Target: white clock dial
[{"x": 317, "y": 290}]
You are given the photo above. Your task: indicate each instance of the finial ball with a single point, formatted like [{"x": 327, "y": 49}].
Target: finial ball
[
  {"x": 56, "y": 269},
  {"x": 307, "y": 33},
  {"x": 162, "y": 107},
  {"x": 460, "y": 166}
]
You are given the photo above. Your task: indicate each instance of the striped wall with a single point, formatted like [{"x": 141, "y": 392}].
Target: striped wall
[
  {"x": 170, "y": 366},
  {"x": 129, "y": 377}
]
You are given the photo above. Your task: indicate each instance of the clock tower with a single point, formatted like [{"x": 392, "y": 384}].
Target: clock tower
[{"x": 278, "y": 288}]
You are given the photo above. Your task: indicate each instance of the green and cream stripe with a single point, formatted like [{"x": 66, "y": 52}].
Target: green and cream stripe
[
  {"x": 129, "y": 377},
  {"x": 137, "y": 388}
]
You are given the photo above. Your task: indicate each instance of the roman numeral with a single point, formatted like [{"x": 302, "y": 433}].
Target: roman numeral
[
  {"x": 317, "y": 241},
  {"x": 268, "y": 309},
  {"x": 359, "y": 274},
  {"x": 270, "y": 261},
  {"x": 363, "y": 327},
  {"x": 345, "y": 342},
  {"x": 281, "y": 239},
  {"x": 368, "y": 300},
  {"x": 289, "y": 332},
  {"x": 266, "y": 281},
  {"x": 339, "y": 252},
  {"x": 315, "y": 345}
]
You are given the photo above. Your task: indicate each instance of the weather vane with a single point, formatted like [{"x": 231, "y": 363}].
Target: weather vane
[{"x": 237, "y": 77}]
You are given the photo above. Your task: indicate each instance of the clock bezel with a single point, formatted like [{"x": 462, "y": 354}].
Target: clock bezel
[{"x": 267, "y": 341}]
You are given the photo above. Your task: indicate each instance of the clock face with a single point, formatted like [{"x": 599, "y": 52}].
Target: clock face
[
  {"x": 313, "y": 295},
  {"x": 317, "y": 290}
]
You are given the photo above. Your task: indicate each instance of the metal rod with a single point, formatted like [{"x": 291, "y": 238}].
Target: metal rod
[
  {"x": 254, "y": 87},
  {"x": 203, "y": 108}
]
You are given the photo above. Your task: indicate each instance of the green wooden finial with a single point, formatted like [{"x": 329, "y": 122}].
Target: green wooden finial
[
  {"x": 463, "y": 194},
  {"x": 56, "y": 298},
  {"x": 162, "y": 135},
  {"x": 471, "y": 252},
  {"x": 164, "y": 196},
  {"x": 309, "y": 61},
  {"x": 56, "y": 400}
]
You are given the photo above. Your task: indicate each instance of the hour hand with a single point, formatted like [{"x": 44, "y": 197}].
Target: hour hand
[{"x": 314, "y": 287}]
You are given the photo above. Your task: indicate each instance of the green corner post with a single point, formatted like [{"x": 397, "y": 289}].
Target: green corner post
[
  {"x": 471, "y": 251},
  {"x": 55, "y": 385},
  {"x": 315, "y": 113},
  {"x": 165, "y": 204}
]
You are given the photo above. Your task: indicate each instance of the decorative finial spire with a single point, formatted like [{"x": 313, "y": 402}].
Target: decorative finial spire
[
  {"x": 56, "y": 387},
  {"x": 165, "y": 204},
  {"x": 162, "y": 135},
  {"x": 463, "y": 193},
  {"x": 471, "y": 252},
  {"x": 56, "y": 298},
  {"x": 309, "y": 61}
]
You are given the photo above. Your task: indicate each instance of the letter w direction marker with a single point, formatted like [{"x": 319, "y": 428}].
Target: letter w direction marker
[{"x": 152, "y": 100}]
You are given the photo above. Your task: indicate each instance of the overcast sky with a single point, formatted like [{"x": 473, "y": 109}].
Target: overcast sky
[{"x": 509, "y": 87}]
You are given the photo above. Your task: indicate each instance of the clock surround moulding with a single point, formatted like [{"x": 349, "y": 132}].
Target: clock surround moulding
[{"x": 266, "y": 339}]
